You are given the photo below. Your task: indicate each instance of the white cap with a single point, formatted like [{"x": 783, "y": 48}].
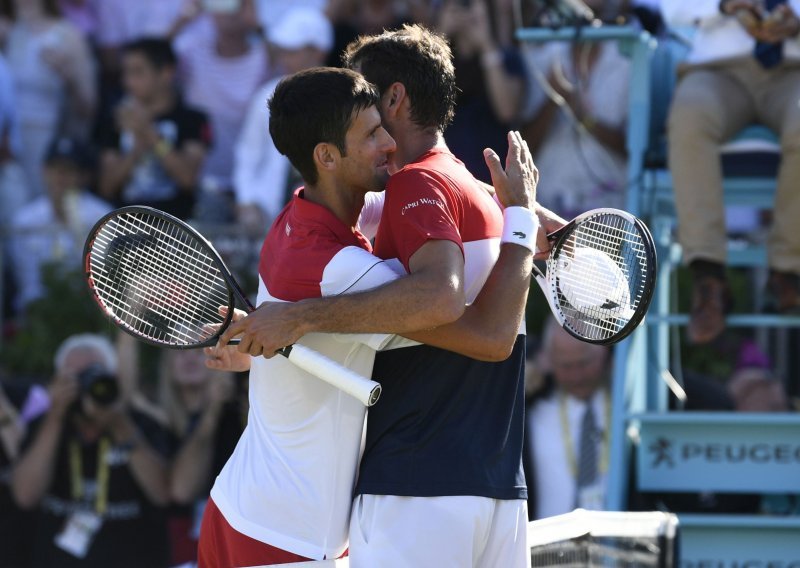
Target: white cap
[{"x": 300, "y": 27}]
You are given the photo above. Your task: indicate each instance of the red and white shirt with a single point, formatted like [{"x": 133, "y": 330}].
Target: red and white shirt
[{"x": 289, "y": 482}]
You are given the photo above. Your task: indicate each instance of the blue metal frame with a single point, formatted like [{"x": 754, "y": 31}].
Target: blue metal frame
[{"x": 630, "y": 356}]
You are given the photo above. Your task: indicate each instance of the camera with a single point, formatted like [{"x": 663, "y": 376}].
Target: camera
[{"x": 100, "y": 385}]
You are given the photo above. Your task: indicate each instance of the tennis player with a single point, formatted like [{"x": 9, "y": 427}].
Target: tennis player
[
  {"x": 285, "y": 494},
  {"x": 440, "y": 480}
]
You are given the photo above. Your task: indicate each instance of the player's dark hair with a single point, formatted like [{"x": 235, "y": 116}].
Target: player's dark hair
[
  {"x": 419, "y": 59},
  {"x": 314, "y": 106},
  {"x": 157, "y": 51}
]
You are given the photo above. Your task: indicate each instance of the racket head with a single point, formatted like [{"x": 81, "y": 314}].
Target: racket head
[
  {"x": 601, "y": 275},
  {"x": 158, "y": 279}
]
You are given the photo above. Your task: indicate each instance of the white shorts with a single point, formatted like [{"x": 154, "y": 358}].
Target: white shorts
[{"x": 438, "y": 532}]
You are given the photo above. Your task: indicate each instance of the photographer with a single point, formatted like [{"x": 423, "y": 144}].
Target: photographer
[{"x": 93, "y": 468}]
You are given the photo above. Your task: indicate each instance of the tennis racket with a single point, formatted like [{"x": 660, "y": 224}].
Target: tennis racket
[
  {"x": 600, "y": 275},
  {"x": 161, "y": 281}
]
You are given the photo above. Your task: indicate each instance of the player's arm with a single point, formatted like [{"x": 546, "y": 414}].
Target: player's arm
[
  {"x": 432, "y": 293},
  {"x": 489, "y": 327},
  {"x": 431, "y": 296}
]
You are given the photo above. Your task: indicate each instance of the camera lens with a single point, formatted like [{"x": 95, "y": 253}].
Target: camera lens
[{"x": 99, "y": 384}]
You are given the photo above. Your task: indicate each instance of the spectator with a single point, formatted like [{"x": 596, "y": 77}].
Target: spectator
[
  {"x": 14, "y": 192},
  {"x": 220, "y": 72},
  {"x": 568, "y": 423},
  {"x": 576, "y": 122},
  {"x": 53, "y": 228},
  {"x": 205, "y": 415},
  {"x": 14, "y": 524},
  {"x": 94, "y": 471},
  {"x": 490, "y": 81},
  {"x": 154, "y": 152},
  {"x": 54, "y": 78},
  {"x": 263, "y": 177},
  {"x": 120, "y": 22},
  {"x": 743, "y": 67},
  {"x": 352, "y": 18}
]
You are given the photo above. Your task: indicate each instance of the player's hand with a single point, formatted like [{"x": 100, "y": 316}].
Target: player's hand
[
  {"x": 548, "y": 222},
  {"x": 227, "y": 358},
  {"x": 516, "y": 184},
  {"x": 273, "y": 326}
]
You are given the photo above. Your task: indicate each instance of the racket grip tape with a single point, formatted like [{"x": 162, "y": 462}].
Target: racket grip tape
[{"x": 365, "y": 390}]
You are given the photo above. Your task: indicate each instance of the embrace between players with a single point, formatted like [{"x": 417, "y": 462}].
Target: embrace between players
[{"x": 434, "y": 312}]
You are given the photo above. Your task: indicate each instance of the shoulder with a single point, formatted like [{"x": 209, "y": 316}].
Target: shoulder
[{"x": 353, "y": 269}]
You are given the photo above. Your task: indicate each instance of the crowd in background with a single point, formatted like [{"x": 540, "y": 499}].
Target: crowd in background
[{"x": 105, "y": 103}]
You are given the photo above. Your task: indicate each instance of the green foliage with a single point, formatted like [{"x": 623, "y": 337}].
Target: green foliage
[{"x": 66, "y": 308}]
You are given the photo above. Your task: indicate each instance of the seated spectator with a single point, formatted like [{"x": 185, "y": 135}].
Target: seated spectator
[
  {"x": 567, "y": 426},
  {"x": 576, "y": 116},
  {"x": 120, "y": 22},
  {"x": 220, "y": 70},
  {"x": 263, "y": 178},
  {"x": 53, "y": 228},
  {"x": 153, "y": 153},
  {"x": 54, "y": 78},
  {"x": 754, "y": 389},
  {"x": 743, "y": 67},
  {"x": 490, "y": 78},
  {"x": 93, "y": 470},
  {"x": 205, "y": 415},
  {"x": 15, "y": 545}
]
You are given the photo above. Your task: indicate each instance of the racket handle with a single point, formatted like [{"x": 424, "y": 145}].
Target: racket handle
[{"x": 336, "y": 374}]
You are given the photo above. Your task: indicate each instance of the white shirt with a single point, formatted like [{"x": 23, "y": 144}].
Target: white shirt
[
  {"x": 290, "y": 480},
  {"x": 578, "y": 172},
  {"x": 39, "y": 237},
  {"x": 121, "y": 21},
  {"x": 260, "y": 171},
  {"x": 222, "y": 87},
  {"x": 555, "y": 481},
  {"x": 717, "y": 36}
]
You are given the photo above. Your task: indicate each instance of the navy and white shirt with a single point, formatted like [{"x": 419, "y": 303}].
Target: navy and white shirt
[{"x": 446, "y": 424}]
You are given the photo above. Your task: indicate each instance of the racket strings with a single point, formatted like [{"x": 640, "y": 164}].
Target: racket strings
[
  {"x": 157, "y": 279},
  {"x": 600, "y": 276}
]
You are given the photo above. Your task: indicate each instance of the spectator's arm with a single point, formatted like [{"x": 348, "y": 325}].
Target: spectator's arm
[
  {"x": 116, "y": 170},
  {"x": 191, "y": 470},
  {"x": 182, "y": 164},
  {"x": 505, "y": 89},
  {"x": 81, "y": 80},
  {"x": 33, "y": 473},
  {"x": 147, "y": 466}
]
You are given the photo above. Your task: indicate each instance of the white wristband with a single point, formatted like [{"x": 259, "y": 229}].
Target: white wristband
[{"x": 520, "y": 226}]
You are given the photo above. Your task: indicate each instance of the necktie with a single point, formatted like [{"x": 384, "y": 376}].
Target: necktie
[
  {"x": 769, "y": 54},
  {"x": 587, "y": 461}
]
